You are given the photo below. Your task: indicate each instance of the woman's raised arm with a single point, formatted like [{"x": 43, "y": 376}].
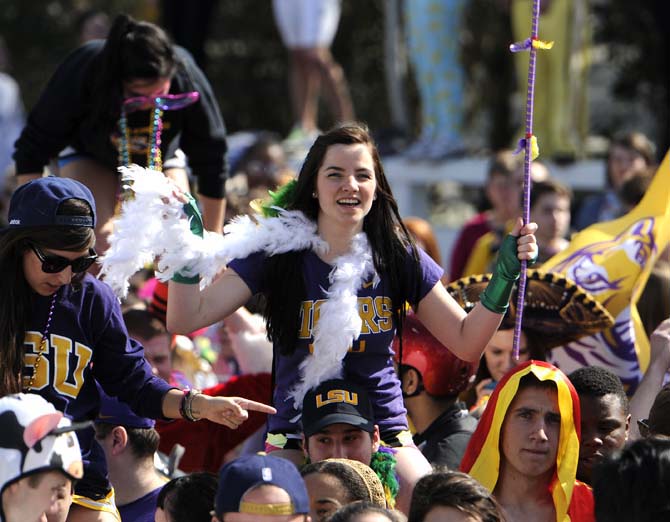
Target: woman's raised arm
[{"x": 466, "y": 335}]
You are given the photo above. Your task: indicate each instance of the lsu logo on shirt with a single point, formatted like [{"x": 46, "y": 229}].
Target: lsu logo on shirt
[
  {"x": 62, "y": 363},
  {"x": 375, "y": 312},
  {"x": 334, "y": 396}
]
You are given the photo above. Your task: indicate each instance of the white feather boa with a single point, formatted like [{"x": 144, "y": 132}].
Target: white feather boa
[{"x": 151, "y": 225}]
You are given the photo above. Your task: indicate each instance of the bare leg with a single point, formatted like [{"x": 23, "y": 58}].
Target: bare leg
[
  {"x": 310, "y": 78},
  {"x": 411, "y": 466},
  {"x": 334, "y": 83},
  {"x": 296, "y": 84},
  {"x": 104, "y": 184}
]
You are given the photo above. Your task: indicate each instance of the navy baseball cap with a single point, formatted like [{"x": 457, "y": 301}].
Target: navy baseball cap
[
  {"x": 244, "y": 473},
  {"x": 36, "y": 203},
  {"x": 336, "y": 401},
  {"x": 113, "y": 411}
]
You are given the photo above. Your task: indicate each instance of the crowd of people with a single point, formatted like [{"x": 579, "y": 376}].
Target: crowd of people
[{"x": 316, "y": 361}]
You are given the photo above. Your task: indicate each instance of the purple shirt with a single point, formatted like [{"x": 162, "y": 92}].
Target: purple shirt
[
  {"x": 88, "y": 342},
  {"x": 369, "y": 361},
  {"x": 141, "y": 510}
]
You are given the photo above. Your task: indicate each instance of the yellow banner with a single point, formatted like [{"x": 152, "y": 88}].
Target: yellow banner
[{"x": 612, "y": 261}]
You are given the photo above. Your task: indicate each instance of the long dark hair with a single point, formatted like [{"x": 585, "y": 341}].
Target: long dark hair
[
  {"x": 16, "y": 302},
  {"x": 133, "y": 50},
  {"x": 456, "y": 490},
  {"x": 389, "y": 240}
]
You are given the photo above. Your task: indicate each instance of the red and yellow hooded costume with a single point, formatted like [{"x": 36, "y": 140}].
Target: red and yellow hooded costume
[{"x": 573, "y": 500}]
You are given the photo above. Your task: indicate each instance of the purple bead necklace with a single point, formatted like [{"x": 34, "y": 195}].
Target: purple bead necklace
[{"x": 43, "y": 343}]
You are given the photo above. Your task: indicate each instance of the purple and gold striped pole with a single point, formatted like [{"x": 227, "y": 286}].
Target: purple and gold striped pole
[{"x": 529, "y": 144}]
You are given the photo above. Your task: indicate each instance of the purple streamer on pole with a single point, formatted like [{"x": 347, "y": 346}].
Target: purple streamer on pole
[
  {"x": 530, "y": 95},
  {"x": 518, "y": 47},
  {"x": 520, "y": 146}
]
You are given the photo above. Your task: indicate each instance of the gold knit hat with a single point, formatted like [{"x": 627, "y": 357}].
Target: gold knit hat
[{"x": 370, "y": 478}]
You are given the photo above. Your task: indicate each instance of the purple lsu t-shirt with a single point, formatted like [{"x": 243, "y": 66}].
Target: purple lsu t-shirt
[
  {"x": 369, "y": 362},
  {"x": 87, "y": 343},
  {"x": 141, "y": 510}
]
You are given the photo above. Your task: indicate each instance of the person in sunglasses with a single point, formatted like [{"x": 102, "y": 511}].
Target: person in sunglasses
[
  {"x": 61, "y": 330},
  {"x": 132, "y": 98}
]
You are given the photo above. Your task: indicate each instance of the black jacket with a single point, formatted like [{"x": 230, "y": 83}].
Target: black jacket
[
  {"x": 63, "y": 117},
  {"x": 443, "y": 443}
]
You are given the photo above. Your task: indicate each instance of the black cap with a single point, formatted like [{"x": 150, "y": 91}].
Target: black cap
[{"x": 336, "y": 401}]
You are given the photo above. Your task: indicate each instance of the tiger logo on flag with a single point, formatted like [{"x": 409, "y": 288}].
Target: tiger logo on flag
[{"x": 612, "y": 261}]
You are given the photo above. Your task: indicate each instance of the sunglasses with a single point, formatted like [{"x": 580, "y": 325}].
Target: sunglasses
[
  {"x": 165, "y": 102},
  {"x": 52, "y": 264}
]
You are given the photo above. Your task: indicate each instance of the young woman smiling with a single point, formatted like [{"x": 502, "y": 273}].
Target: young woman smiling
[{"x": 336, "y": 293}]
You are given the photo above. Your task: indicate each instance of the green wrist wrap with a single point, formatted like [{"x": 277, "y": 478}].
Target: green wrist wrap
[
  {"x": 497, "y": 294},
  {"x": 186, "y": 280},
  {"x": 197, "y": 229}
]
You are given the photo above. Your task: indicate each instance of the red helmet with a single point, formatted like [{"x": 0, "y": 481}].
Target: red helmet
[{"x": 442, "y": 372}]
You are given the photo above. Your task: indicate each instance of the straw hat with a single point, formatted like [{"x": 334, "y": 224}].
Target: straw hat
[{"x": 555, "y": 308}]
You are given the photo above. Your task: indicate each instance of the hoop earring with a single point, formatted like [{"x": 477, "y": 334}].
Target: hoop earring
[{"x": 315, "y": 195}]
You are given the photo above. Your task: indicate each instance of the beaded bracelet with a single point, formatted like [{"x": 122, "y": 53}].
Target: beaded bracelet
[
  {"x": 186, "y": 406},
  {"x": 181, "y": 404}
]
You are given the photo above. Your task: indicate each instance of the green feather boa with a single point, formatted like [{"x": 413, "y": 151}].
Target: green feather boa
[{"x": 283, "y": 197}]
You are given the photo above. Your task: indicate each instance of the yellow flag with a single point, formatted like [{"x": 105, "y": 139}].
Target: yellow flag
[{"x": 612, "y": 261}]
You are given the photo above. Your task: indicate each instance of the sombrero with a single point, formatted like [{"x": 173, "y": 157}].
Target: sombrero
[{"x": 555, "y": 308}]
